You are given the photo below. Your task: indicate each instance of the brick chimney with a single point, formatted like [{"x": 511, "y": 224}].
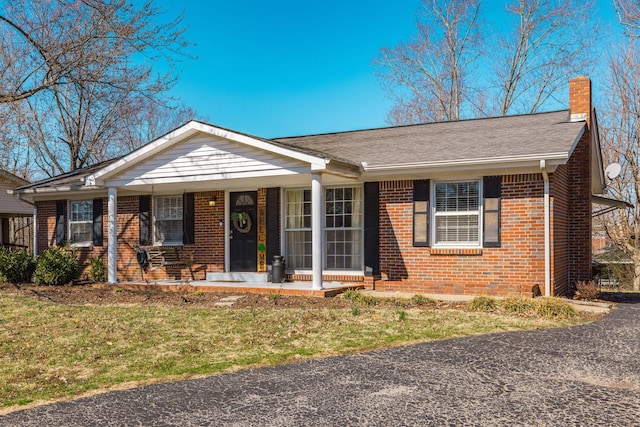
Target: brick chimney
[{"x": 580, "y": 99}]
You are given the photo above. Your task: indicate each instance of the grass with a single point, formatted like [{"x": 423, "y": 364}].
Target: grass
[{"x": 51, "y": 351}]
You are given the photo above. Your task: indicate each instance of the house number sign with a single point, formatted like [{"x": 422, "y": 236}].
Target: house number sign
[{"x": 262, "y": 239}]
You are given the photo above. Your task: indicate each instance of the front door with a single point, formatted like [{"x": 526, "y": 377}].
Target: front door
[{"x": 243, "y": 231}]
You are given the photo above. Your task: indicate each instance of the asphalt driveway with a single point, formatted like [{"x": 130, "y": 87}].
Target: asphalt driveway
[{"x": 585, "y": 375}]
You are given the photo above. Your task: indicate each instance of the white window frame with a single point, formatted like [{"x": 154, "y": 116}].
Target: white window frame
[
  {"x": 355, "y": 270},
  {"x": 325, "y": 252},
  {"x": 71, "y": 222},
  {"x": 434, "y": 215},
  {"x": 285, "y": 218},
  {"x": 156, "y": 240}
]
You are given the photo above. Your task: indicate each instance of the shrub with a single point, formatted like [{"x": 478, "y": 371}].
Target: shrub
[
  {"x": 554, "y": 307},
  {"x": 97, "y": 270},
  {"x": 587, "y": 290},
  {"x": 520, "y": 305},
  {"x": 16, "y": 266},
  {"x": 483, "y": 303},
  {"x": 56, "y": 266},
  {"x": 418, "y": 299},
  {"x": 359, "y": 298}
]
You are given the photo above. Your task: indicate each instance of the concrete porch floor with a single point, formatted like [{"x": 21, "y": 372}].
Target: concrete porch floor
[{"x": 288, "y": 288}]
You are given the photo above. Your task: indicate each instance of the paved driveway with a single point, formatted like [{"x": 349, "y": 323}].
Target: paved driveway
[{"x": 585, "y": 375}]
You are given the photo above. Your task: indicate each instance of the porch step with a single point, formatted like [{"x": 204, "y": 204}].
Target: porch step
[{"x": 237, "y": 277}]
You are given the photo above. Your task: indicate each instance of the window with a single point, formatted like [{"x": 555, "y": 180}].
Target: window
[
  {"x": 456, "y": 213},
  {"x": 298, "y": 229},
  {"x": 81, "y": 222},
  {"x": 168, "y": 229},
  {"x": 343, "y": 229}
]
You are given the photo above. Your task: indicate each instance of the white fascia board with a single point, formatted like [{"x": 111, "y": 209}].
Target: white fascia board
[
  {"x": 204, "y": 178},
  {"x": 533, "y": 161},
  {"x": 341, "y": 169},
  {"x": 55, "y": 193},
  {"x": 182, "y": 133}
]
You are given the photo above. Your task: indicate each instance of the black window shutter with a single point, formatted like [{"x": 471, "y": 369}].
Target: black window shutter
[
  {"x": 144, "y": 217},
  {"x": 60, "y": 204},
  {"x": 97, "y": 222},
  {"x": 421, "y": 233},
  {"x": 372, "y": 226},
  {"x": 492, "y": 189},
  {"x": 273, "y": 223},
  {"x": 188, "y": 219}
]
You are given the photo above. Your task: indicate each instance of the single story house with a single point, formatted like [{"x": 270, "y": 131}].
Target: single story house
[
  {"x": 16, "y": 216},
  {"x": 495, "y": 206}
]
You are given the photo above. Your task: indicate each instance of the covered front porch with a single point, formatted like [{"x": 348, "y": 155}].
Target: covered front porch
[{"x": 226, "y": 202}]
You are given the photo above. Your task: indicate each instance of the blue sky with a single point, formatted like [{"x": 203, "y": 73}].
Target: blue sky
[{"x": 291, "y": 67}]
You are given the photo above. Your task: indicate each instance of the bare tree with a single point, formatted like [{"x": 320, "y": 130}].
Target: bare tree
[
  {"x": 77, "y": 74},
  {"x": 629, "y": 14},
  {"x": 552, "y": 39},
  {"x": 621, "y": 142},
  {"x": 49, "y": 43},
  {"x": 428, "y": 77},
  {"x": 440, "y": 75}
]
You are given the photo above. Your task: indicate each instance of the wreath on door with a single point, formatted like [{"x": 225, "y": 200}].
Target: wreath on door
[{"x": 241, "y": 221}]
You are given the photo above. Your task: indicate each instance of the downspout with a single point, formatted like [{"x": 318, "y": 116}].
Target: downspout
[{"x": 547, "y": 234}]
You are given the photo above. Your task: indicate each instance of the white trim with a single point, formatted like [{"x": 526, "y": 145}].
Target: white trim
[
  {"x": 469, "y": 162},
  {"x": 84, "y": 243},
  {"x": 547, "y": 232},
  {"x": 112, "y": 240},
  {"x": 154, "y": 240},
  {"x": 432, "y": 216},
  {"x": 317, "y": 229},
  {"x": 208, "y": 177},
  {"x": 35, "y": 230}
]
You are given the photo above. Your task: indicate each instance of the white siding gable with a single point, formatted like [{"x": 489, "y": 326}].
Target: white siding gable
[{"x": 206, "y": 157}]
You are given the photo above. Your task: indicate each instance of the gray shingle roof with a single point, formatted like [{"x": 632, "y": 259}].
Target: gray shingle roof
[
  {"x": 509, "y": 136},
  {"x": 499, "y": 137},
  {"x": 70, "y": 179}
]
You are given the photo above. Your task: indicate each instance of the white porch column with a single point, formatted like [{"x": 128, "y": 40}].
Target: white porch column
[
  {"x": 112, "y": 246},
  {"x": 35, "y": 231},
  {"x": 317, "y": 229}
]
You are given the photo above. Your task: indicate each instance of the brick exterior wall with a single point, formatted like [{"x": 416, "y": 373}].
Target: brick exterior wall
[
  {"x": 208, "y": 249},
  {"x": 579, "y": 171},
  {"x": 559, "y": 207},
  {"x": 514, "y": 268},
  {"x": 579, "y": 181}
]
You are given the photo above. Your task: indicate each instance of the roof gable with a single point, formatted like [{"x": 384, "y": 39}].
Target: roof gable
[
  {"x": 206, "y": 157},
  {"x": 155, "y": 149}
]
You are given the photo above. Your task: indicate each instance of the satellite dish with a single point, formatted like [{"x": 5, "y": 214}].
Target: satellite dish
[{"x": 613, "y": 170}]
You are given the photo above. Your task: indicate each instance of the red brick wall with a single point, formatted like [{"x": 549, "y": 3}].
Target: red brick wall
[
  {"x": 514, "y": 268},
  {"x": 579, "y": 175},
  {"x": 208, "y": 249},
  {"x": 559, "y": 191}
]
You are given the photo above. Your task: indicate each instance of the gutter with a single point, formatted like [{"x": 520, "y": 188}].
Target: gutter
[
  {"x": 558, "y": 157},
  {"x": 547, "y": 233}
]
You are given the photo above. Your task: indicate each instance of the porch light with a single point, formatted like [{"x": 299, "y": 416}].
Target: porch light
[{"x": 212, "y": 201}]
